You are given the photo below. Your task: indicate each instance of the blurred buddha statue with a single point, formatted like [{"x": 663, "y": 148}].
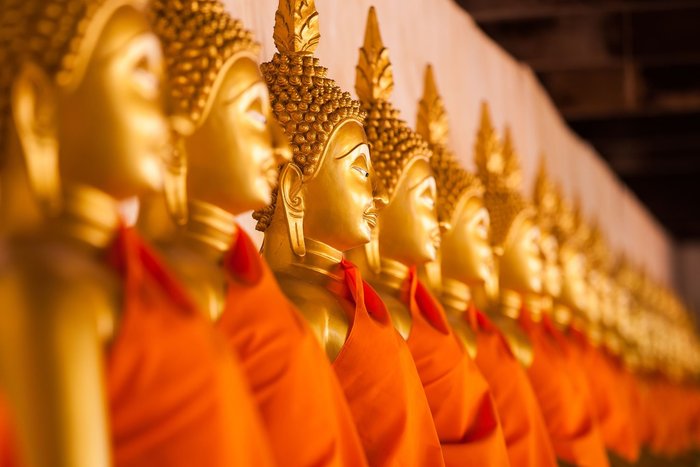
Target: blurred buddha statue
[
  {"x": 325, "y": 203},
  {"x": 409, "y": 237},
  {"x": 467, "y": 278},
  {"x": 546, "y": 203},
  {"x": 515, "y": 235},
  {"x": 573, "y": 297},
  {"x": 227, "y": 163},
  {"x": 599, "y": 305},
  {"x": 85, "y": 302}
]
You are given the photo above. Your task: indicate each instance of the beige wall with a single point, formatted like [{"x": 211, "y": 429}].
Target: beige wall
[{"x": 470, "y": 68}]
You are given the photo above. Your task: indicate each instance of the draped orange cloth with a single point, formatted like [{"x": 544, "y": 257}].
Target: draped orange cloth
[
  {"x": 567, "y": 412},
  {"x": 524, "y": 428},
  {"x": 301, "y": 402},
  {"x": 176, "y": 397},
  {"x": 381, "y": 384},
  {"x": 459, "y": 397},
  {"x": 609, "y": 394},
  {"x": 8, "y": 455}
]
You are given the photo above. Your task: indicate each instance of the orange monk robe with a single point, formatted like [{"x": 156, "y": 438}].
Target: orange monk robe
[
  {"x": 459, "y": 397},
  {"x": 8, "y": 456},
  {"x": 381, "y": 383},
  {"x": 608, "y": 391},
  {"x": 300, "y": 400},
  {"x": 175, "y": 395},
  {"x": 570, "y": 421},
  {"x": 523, "y": 426}
]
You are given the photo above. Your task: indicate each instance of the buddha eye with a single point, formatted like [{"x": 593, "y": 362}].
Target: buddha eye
[
  {"x": 361, "y": 171},
  {"x": 147, "y": 82},
  {"x": 255, "y": 112}
]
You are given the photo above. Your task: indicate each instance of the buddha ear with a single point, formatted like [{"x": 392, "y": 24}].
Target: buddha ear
[
  {"x": 34, "y": 114},
  {"x": 175, "y": 173},
  {"x": 293, "y": 203}
]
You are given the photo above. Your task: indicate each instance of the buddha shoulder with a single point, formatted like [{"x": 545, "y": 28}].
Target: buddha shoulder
[
  {"x": 399, "y": 312},
  {"x": 464, "y": 333},
  {"x": 517, "y": 340},
  {"x": 327, "y": 314},
  {"x": 56, "y": 284}
]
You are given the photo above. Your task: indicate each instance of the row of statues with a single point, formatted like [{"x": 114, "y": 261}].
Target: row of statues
[{"x": 401, "y": 311}]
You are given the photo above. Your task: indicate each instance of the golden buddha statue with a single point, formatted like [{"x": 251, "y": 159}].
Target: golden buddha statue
[
  {"x": 408, "y": 230},
  {"x": 324, "y": 203},
  {"x": 86, "y": 301},
  {"x": 228, "y": 138},
  {"x": 466, "y": 266},
  {"x": 80, "y": 104},
  {"x": 515, "y": 236},
  {"x": 600, "y": 290},
  {"x": 546, "y": 202}
]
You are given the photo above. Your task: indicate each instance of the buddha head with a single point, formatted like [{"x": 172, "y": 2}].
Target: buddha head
[
  {"x": 326, "y": 192},
  {"x": 229, "y": 145},
  {"x": 547, "y": 205},
  {"x": 466, "y": 254},
  {"x": 408, "y": 227},
  {"x": 80, "y": 96},
  {"x": 600, "y": 305},
  {"x": 515, "y": 235}
]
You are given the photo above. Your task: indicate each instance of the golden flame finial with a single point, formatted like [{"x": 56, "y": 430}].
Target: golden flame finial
[
  {"x": 296, "y": 27},
  {"x": 488, "y": 150},
  {"x": 512, "y": 174},
  {"x": 375, "y": 79},
  {"x": 453, "y": 182},
  {"x": 432, "y": 123},
  {"x": 546, "y": 198}
]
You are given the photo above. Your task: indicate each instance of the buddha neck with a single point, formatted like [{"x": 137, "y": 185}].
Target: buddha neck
[
  {"x": 320, "y": 264},
  {"x": 510, "y": 303},
  {"x": 209, "y": 230},
  {"x": 455, "y": 296},
  {"x": 393, "y": 275},
  {"x": 88, "y": 216}
]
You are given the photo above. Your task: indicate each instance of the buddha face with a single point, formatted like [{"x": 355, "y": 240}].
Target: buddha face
[
  {"x": 552, "y": 283},
  {"x": 340, "y": 201},
  {"x": 466, "y": 251},
  {"x": 574, "y": 291},
  {"x": 112, "y": 132},
  {"x": 521, "y": 267},
  {"x": 233, "y": 157},
  {"x": 408, "y": 227}
]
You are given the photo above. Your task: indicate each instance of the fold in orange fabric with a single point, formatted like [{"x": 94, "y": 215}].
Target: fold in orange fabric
[
  {"x": 609, "y": 396},
  {"x": 523, "y": 426},
  {"x": 300, "y": 399},
  {"x": 567, "y": 412},
  {"x": 8, "y": 455},
  {"x": 381, "y": 383},
  {"x": 459, "y": 397},
  {"x": 176, "y": 397}
]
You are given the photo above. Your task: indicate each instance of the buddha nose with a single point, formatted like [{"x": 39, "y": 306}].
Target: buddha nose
[
  {"x": 379, "y": 193},
  {"x": 280, "y": 144}
]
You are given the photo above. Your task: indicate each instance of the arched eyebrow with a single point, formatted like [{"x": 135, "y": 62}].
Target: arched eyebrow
[
  {"x": 422, "y": 181},
  {"x": 364, "y": 143},
  {"x": 242, "y": 92}
]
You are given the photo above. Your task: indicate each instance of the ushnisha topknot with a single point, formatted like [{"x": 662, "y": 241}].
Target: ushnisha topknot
[
  {"x": 394, "y": 144},
  {"x": 199, "y": 38},
  {"x": 308, "y": 105},
  {"x": 498, "y": 168},
  {"x": 453, "y": 182},
  {"x": 53, "y": 34}
]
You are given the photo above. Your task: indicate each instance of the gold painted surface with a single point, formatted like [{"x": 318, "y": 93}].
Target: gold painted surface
[
  {"x": 83, "y": 111},
  {"x": 327, "y": 197}
]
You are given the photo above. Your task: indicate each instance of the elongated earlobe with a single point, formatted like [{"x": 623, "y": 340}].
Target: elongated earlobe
[
  {"x": 293, "y": 203},
  {"x": 34, "y": 114}
]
